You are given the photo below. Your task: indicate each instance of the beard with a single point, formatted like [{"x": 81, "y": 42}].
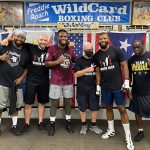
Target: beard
[
  {"x": 62, "y": 44},
  {"x": 18, "y": 43},
  {"x": 103, "y": 46}
]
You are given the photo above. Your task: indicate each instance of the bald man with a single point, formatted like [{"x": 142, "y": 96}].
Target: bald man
[
  {"x": 37, "y": 82},
  {"x": 86, "y": 89},
  {"x": 139, "y": 71},
  {"x": 13, "y": 68}
]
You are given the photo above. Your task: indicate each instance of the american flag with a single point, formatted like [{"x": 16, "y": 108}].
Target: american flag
[{"x": 79, "y": 40}]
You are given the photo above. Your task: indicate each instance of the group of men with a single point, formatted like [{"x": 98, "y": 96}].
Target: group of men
[{"x": 98, "y": 75}]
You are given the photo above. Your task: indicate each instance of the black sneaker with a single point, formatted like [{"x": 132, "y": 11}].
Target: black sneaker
[
  {"x": 0, "y": 132},
  {"x": 16, "y": 130},
  {"x": 51, "y": 129},
  {"x": 69, "y": 126},
  {"x": 139, "y": 136},
  {"x": 41, "y": 127},
  {"x": 25, "y": 129}
]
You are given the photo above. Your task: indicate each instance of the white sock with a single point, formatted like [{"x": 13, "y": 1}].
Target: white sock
[
  {"x": 68, "y": 117},
  {"x": 14, "y": 120},
  {"x": 52, "y": 119},
  {"x": 140, "y": 129},
  {"x": 0, "y": 120},
  {"x": 127, "y": 129},
  {"x": 111, "y": 125}
]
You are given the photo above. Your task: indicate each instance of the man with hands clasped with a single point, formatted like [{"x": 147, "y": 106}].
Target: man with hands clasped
[{"x": 59, "y": 58}]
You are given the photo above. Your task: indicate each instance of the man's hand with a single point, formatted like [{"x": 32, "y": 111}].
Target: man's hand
[
  {"x": 61, "y": 59},
  {"x": 148, "y": 62},
  {"x": 125, "y": 86},
  {"x": 4, "y": 57},
  {"x": 130, "y": 93},
  {"x": 18, "y": 81},
  {"x": 90, "y": 69},
  {"x": 98, "y": 90},
  {"x": 5, "y": 42}
]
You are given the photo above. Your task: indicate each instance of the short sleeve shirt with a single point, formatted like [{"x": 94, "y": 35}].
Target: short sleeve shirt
[
  {"x": 61, "y": 74},
  {"x": 110, "y": 69}
]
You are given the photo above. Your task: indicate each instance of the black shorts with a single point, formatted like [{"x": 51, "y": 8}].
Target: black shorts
[
  {"x": 140, "y": 105},
  {"x": 42, "y": 91},
  {"x": 91, "y": 98}
]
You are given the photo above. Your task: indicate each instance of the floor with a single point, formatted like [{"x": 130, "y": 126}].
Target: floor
[{"x": 62, "y": 140}]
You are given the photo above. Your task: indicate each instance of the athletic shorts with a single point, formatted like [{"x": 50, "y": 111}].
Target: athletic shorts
[
  {"x": 111, "y": 96},
  {"x": 4, "y": 98},
  {"x": 91, "y": 98},
  {"x": 57, "y": 91},
  {"x": 140, "y": 105},
  {"x": 41, "y": 90}
]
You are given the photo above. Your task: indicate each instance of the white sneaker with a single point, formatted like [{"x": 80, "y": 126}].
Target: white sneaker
[
  {"x": 129, "y": 143},
  {"x": 96, "y": 129},
  {"x": 83, "y": 130},
  {"x": 108, "y": 134}
]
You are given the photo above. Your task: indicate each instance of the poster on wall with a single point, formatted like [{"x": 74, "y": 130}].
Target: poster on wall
[
  {"x": 11, "y": 13},
  {"x": 101, "y": 12},
  {"x": 141, "y": 13}
]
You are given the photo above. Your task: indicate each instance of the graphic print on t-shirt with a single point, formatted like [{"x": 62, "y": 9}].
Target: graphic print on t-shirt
[
  {"x": 39, "y": 61},
  {"x": 106, "y": 64},
  {"x": 14, "y": 59},
  {"x": 140, "y": 67},
  {"x": 90, "y": 73},
  {"x": 66, "y": 64}
]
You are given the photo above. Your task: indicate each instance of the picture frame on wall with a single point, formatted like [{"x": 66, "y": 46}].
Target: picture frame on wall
[{"x": 11, "y": 13}]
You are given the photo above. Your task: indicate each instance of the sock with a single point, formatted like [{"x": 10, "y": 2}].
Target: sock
[
  {"x": 52, "y": 119},
  {"x": 83, "y": 123},
  {"x": 14, "y": 120},
  {"x": 140, "y": 129},
  {"x": 93, "y": 123},
  {"x": 126, "y": 129},
  {"x": 111, "y": 125},
  {"x": 0, "y": 120},
  {"x": 68, "y": 117}
]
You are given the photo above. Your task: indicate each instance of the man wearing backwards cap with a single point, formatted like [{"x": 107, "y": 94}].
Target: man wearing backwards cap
[
  {"x": 86, "y": 89},
  {"x": 13, "y": 64}
]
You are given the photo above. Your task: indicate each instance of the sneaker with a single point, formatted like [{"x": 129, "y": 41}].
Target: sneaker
[
  {"x": 129, "y": 143},
  {"x": 83, "y": 130},
  {"x": 51, "y": 129},
  {"x": 16, "y": 130},
  {"x": 41, "y": 127},
  {"x": 69, "y": 126},
  {"x": 139, "y": 136},
  {"x": 108, "y": 134},
  {"x": 25, "y": 129},
  {"x": 96, "y": 129},
  {"x": 0, "y": 132}
]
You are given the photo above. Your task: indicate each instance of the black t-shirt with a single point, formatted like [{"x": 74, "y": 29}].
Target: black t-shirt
[
  {"x": 13, "y": 68},
  {"x": 110, "y": 70},
  {"x": 85, "y": 83},
  {"x": 140, "y": 73},
  {"x": 37, "y": 71}
]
